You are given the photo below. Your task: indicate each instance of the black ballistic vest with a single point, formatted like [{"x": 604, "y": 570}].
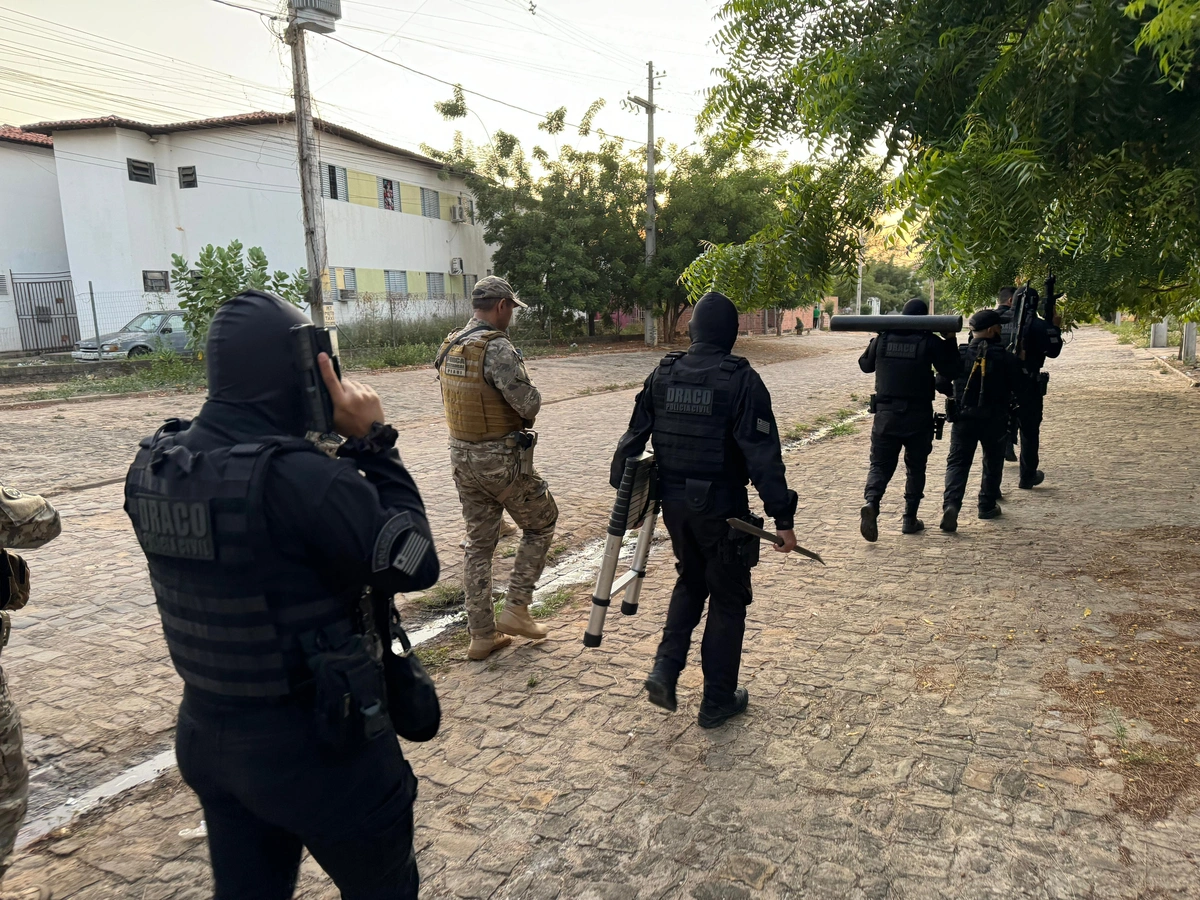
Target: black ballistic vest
[
  {"x": 232, "y": 607},
  {"x": 903, "y": 367},
  {"x": 693, "y": 418}
]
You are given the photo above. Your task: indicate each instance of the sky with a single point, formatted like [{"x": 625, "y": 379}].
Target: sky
[{"x": 163, "y": 61}]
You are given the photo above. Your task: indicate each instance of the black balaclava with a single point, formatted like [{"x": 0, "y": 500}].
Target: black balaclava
[
  {"x": 254, "y": 387},
  {"x": 916, "y": 307},
  {"x": 714, "y": 321}
]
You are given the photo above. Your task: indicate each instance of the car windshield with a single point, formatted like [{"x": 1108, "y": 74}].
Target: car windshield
[{"x": 145, "y": 322}]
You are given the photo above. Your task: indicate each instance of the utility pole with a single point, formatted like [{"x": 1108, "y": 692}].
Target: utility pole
[
  {"x": 319, "y": 16},
  {"x": 651, "y": 210},
  {"x": 858, "y": 294},
  {"x": 931, "y": 284}
]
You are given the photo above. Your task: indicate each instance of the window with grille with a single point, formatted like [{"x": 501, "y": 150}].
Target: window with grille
[
  {"x": 3, "y": 284},
  {"x": 155, "y": 281},
  {"x": 333, "y": 183},
  {"x": 350, "y": 279},
  {"x": 140, "y": 171},
  {"x": 395, "y": 282},
  {"x": 470, "y": 204},
  {"x": 388, "y": 190},
  {"x": 436, "y": 283},
  {"x": 430, "y": 204},
  {"x": 469, "y": 284},
  {"x": 187, "y": 177}
]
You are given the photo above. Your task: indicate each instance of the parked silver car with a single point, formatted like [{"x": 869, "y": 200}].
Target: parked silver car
[{"x": 150, "y": 331}]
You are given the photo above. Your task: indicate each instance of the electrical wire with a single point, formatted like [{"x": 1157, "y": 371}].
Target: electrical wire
[{"x": 401, "y": 65}]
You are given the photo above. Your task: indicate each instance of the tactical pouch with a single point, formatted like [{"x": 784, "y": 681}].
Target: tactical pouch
[
  {"x": 1044, "y": 382},
  {"x": 350, "y": 702},
  {"x": 413, "y": 704},
  {"x": 872, "y": 404},
  {"x": 698, "y": 495},
  {"x": 14, "y": 581},
  {"x": 951, "y": 410},
  {"x": 740, "y": 548}
]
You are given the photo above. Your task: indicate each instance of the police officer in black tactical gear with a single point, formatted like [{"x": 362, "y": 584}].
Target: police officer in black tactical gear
[
  {"x": 710, "y": 418},
  {"x": 904, "y": 388},
  {"x": 983, "y": 391},
  {"x": 260, "y": 548},
  {"x": 1042, "y": 339}
]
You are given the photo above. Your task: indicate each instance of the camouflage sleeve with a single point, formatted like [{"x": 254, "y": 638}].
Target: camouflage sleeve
[
  {"x": 504, "y": 370},
  {"x": 27, "y": 521}
]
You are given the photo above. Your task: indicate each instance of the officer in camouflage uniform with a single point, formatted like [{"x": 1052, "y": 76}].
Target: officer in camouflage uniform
[
  {"x": 490, "y": 407},
  {"x": 26, "y": 522}
]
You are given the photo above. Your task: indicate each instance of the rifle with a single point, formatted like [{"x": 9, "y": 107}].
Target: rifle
[
  {"x": 1048, "y": 311},
  {"x": 1024, "y": 312}
]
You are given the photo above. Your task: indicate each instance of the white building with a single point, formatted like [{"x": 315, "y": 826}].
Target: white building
[
  {"x": 133, "y": 194},
  {"x": 33, "y": 248}
]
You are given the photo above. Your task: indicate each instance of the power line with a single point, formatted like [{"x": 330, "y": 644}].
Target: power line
[{"x": 392, "y": 62}]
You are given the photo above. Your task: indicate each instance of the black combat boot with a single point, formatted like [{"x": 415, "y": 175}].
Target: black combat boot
[
  {"x": 714, "y": 715},
  {"x": 1030, "y": 483},
  {"x": 949, "y": 519},
  {"x": 910, "y": 524},
  {"x": 867, "y": 524},
  {"x": 989, "y": 512},
  {"x": 660, "y": 685}
]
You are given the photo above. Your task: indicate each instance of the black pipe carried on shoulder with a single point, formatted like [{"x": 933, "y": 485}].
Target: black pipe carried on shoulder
[{"x": 933, "y": 324}]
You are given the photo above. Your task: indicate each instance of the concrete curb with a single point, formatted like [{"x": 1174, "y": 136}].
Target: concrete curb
[{"x": 1169, "y": 363}]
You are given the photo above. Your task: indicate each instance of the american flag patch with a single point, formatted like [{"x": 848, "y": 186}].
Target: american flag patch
[
  {"x": 409, "y": 558},
  {"x": 764, "y": 426}
]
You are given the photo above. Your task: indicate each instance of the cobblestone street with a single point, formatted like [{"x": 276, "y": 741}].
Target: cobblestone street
[{"x": 915, "y": 727}]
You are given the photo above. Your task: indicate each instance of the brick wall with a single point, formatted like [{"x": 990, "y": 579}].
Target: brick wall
[{"x": 761, "y": 322}]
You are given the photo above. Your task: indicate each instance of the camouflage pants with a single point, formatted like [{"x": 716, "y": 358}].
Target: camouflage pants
[
  {"x": 489, "y": 482},
  {"x": 14, "y": 777}
]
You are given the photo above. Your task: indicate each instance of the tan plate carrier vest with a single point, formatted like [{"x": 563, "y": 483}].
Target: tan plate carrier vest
[{"x": 475, "y": 411}]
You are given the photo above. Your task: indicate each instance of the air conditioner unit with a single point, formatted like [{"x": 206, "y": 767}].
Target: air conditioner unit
[
  {"x": 456, "y": 264},
  {"x": 457, "y": 215}
]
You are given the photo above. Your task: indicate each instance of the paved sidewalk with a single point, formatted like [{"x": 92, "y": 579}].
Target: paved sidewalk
[{"x": 916, "y": 726}]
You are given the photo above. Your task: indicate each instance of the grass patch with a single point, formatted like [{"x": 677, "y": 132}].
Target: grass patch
[
  {"x": 553, "y": 603},
  {"x": 555, "y": 553},
  {"x": 441, "y": 596},
  {"x": 167, "y": 371},
  {"x": 532, "y": 682},
  {"x": 438, "y": 655},
  {"x": 508, "y": 552},
  {"x": 798, "y": 431},
  {"x": 843, "y": 414},
  {"x": 390, "y": 357},
  {"x": 842, "y": 428},
  {"x": 608, "y": 388}
]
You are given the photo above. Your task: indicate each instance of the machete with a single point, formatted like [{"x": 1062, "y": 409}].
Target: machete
[{"x": 742, "y": 525}]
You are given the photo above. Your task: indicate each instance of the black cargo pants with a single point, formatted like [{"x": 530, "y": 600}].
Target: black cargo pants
[
  {"x": 906, "y": 426},
  {"x": 697, "y": 540},
  {"x": 269, "y": 790},
  {"x": 1029, "y": 422},
  {"x": 989, "y": 434}
]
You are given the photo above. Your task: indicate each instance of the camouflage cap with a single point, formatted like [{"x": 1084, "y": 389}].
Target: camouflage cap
[
  {"x": 27, "y": 521},
  {"x": 492, "y": 288}
]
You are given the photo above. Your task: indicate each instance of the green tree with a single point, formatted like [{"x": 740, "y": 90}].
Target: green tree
[
  {"x": 717, "y": 196},
  {"x": 568, "y": 238},
  {"x": 894, "y": 284},
  {"x": 1027, "y": 136},
  {"x": 813, "y": 238},
  {"x": 222, "y": 273}
]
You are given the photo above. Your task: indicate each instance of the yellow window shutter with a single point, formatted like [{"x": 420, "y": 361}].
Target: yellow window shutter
[{"x": 410, "y": 199}]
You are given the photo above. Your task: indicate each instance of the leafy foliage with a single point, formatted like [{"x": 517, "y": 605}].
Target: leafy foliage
[
  {"x": 1059, "y": 134},
  {"x": 222, "y": 273},
  {"x": 815, "y": 236},
  {"x": 893, "y": 283}
]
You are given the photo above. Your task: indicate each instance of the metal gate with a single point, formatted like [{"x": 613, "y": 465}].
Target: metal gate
[{"x": 46, "y": 313}]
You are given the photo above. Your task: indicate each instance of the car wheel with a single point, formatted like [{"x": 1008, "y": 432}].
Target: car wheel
[{"x": 138, "y": 351}]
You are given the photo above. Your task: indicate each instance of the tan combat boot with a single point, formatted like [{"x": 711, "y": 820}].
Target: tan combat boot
[
  {"x": 515, "y": 619},
  {"x": 483, "y": 646}
]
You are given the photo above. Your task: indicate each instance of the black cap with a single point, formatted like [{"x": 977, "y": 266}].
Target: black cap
[
  {"x": 916, "y": 307},
  {"x": 714, "y": 321},
  {"x": 985, "y": 319}
]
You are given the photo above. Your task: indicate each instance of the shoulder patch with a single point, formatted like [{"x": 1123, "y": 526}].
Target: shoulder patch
[
  {"x": 409, "y": 557},
  {"x": 381, "y": 556},
  {"x": 764, "y": 426}
]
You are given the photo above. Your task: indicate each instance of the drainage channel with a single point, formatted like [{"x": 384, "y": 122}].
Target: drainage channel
[{"x": 579, "y": 567}]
